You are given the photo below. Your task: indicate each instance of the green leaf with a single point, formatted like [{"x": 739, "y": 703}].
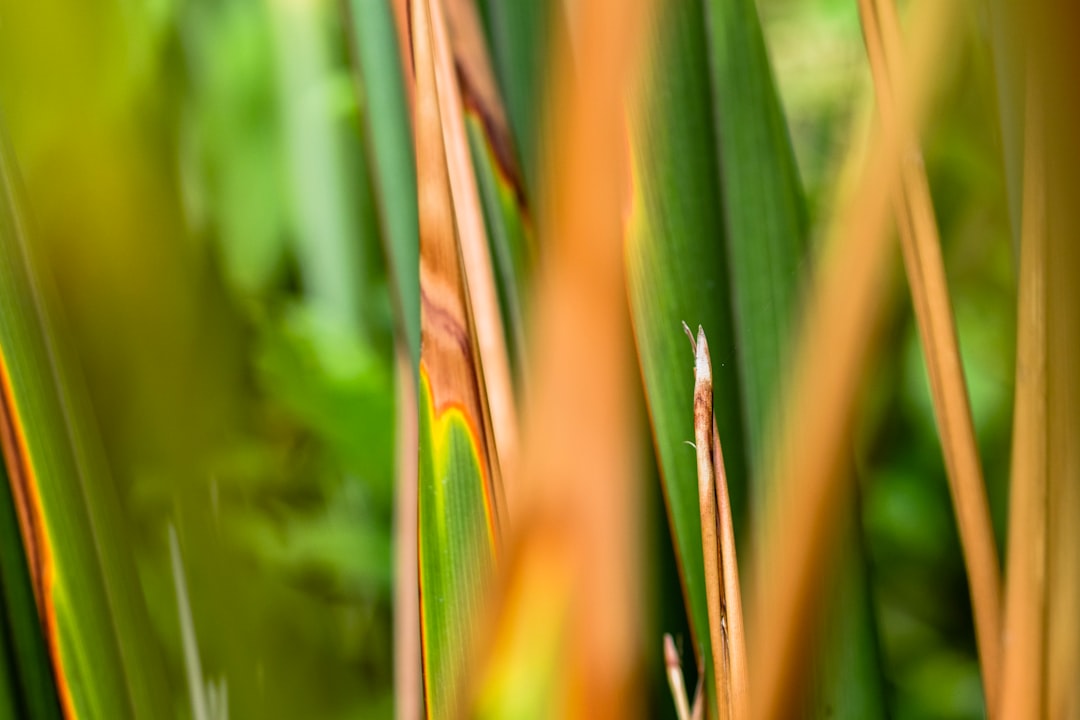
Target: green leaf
[
  {"x": 390, "y": 153},
  {"x": 457, "y": 546},
  {"x": 718, "y": 237},
  {"x": 26, "y": 683},
  {"x": 763, "y": 211},
  {"x": 520, "y": 35},
  {"x": 766, "y": 238},
  {"x": 323, "y": 188},
  {"x": 677, "y": 271},
  {"x": 509, "y": 235},
  {"x": 106, "y": 661}
]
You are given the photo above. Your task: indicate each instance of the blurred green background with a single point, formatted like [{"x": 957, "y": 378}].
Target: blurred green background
[{"x": 198, "y": 190}]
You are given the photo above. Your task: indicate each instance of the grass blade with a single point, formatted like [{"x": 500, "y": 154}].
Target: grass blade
[
  {"x": 521, "y": 35},
  {"x": 1059, "y": 55},
  {"x": 577, "y": 468},
  {"x": 408, "y": 664},
  {"x": 473, "y": 246},
  {"x": 764, "y": 216},
  {"x": 830, "y": 360},
  {"x": 1023, "y": 650},
  {"x": 735, "y": 628},
  {"x": 673, "y": 666},
  {"x": 104, "y": 658},
  {"x": 498, "y": 178},
  {"x": 459, "y": 496},
  {"x": 718, "y": 548},
  {"x": 24, "y": 659},
  {"x": 766, "y": 237},
  {"x": 710, "y": 525},
  {"x": 389, "y": 148},
  {"x": 921, "y": 247},
  {"x": 676, "y": 269}
]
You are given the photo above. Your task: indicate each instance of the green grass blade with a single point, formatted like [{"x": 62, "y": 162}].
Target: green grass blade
[
  {"x": 26, "y": 682},
  {"x": 459, "y": 486},
  {"x": 105, "y": 660},
  {"x": 763, "y": 211},
  {"x": 766, "y": 236},
  {"x": 390, "y": 153},
  {"x": 509, "y": 234},
  {"x": 457, "y": 541},
  {"x": 520, "y": 34},
  {"x": 677, "y": 271}
]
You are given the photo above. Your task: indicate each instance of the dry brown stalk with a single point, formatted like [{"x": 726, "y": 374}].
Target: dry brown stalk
[
  {"x": 735, "y": 628},
  {"x": 726, "y": 628},
  {"x": 448, "y": 352},
  {"x": 578, "y": 467},
  {"x": 472, "y": 238},
  {"x": 1025, "y": 592},
  {"x": 675, "y": 678},
  {"x": 408, "y": 679},
  {"x": 710, "y": 548},
  {"x": 921, "y": 245},
  {"x": 834, "y": 346}
]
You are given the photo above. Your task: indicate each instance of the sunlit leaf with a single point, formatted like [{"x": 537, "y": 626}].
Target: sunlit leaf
[
  {"x": 677, "y": 271},
  {"x": 104, "y": 657}
]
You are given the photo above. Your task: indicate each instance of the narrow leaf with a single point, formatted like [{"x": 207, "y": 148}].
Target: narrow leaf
[
  {"x": 925, "y": 267},
  {"x": 764, "y": 216},
  {"x": 479, "y": 280},
  {"x": 24, "y": 659},
  {"x": 393, "y": 167},
  {"x": 459, "y": 493},
  {"x": 1023, "y": 650},
  {"x": 521, "y": 36},
  {"x": 676, "y": 269},
  {"x": 577, "y": 467},
  {"x": 718, "y": 547},
  {"x": 495, "y": 161},
  {"x": 833, "y": 349},
  {"x": 104, "y": 657},
  {"x": 673, "y": 667}
]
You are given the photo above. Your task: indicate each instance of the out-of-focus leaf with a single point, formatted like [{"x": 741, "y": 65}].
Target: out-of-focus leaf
[
  {"x": 520, "y": 35},
  {"x": 764, "y": 216},
  {"x": 333, "y": 383},
  {"x": 1006, "y": 43},
  {"x": 676, "y": 271},
  {"x": 26, "y": 683},
  {"x": 509, "y": 234},
  {"x": 390, "y": 152},
  {"x": 324, "y": 217},
  {"x": 104, "y": 657},
  {"x": 767, "y": 246},
  {"x": 743, "y": 294}
]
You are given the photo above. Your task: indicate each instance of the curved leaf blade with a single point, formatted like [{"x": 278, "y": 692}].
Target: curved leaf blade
[
  {"x": 677, "y": 270},
  {"x": 89, "y": 599}
]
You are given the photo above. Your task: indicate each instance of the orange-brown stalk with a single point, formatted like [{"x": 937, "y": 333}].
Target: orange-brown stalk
[
  {"x": 408, "y": 679},
  {"x": 921, "y": 245},
  {"x": 676, "y": 682},
  {"x": 710, "y": 547},
  {"x": 448, "y": 346},
  {"x": 735, "y": 628},
  {"x": 1054, "y": 56},
  {"x": 726, "y": 628},
  {"x": 472, "y": 233},
  {"x": 578, "y": 466},
  {"x": 832, "y": 353},
  {"x": 1024, "y": 637}
]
